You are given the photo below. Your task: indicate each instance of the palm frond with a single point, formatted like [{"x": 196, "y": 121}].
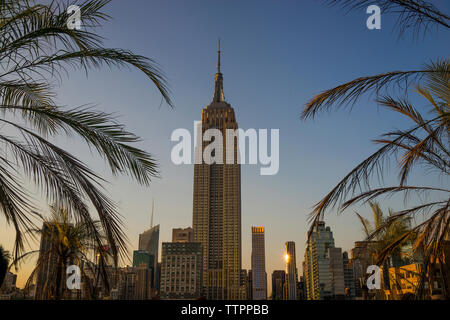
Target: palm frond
[
  {"x": 365, "y": 223},
  {"x": 417, "y": 15},
  {"x": 38, "y": 40},
  {"x": 372, "y": 194},
  {"x": 348, "y": 93},
  {"x": 37, "y": 48}
]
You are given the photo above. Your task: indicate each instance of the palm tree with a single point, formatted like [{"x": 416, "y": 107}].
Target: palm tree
[
  {"x": 36, "y": 50},
  {"x": 388, "y": 234},
  {"x": 384, "y": 238},
  {"x": 4, "y": 263},
  {"x": 425, "y": 144},
  {"x": 67, "y": 243}
]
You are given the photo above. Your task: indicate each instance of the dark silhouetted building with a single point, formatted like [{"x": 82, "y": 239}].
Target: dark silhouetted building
[{"x": 278, "y": 282}]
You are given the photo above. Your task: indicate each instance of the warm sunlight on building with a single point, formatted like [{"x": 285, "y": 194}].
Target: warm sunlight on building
[{"x": 403, "y": 280}]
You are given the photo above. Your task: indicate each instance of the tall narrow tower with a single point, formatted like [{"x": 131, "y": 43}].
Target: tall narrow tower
[
  {"x": 291, "y": 272},
  {"x": 149, "y": 242},
  {"x": 217, "y": 204},
  {"x": 259, "y": 276}
]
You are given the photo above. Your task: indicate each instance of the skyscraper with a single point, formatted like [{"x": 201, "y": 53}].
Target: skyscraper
[
  {"x": 217, "y": 203},
  {"x": 301, "y": 293},
  {"x": 361, "y": 257},
  {"x": 249, "y": 286},
  {"x": 291, "y": 272},
  {"x": 245, "y": 282},
  {"x": 143, "y": 257},
  {"x": 143, "y": 287},
  {"x": 49, "y": 262},
  {"x": 128, "y": 284},
  {"x": 144, "y": 264},
  {"x": 337, "y": 273},
  {"x": 349, "y": 277},
  {"x": 324, "y": 266},
  {"x": 278, "y": 280},
  {"x": 149, "y": 241},
  {"x": 259, "y": 281}
]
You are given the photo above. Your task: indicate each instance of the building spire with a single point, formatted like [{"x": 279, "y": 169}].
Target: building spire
[
  {"x": 151, "y": 220},
  {"x": 218, "y": 81},
  {"x": 218, "y": 59}
]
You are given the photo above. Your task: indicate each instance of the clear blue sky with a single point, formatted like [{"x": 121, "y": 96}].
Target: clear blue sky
[{"x": 275, "y": 56}]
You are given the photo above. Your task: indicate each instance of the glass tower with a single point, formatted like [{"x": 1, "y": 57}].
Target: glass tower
[
  {"x": 291, "y": 272},
  {"x": 149, "y": 241}
]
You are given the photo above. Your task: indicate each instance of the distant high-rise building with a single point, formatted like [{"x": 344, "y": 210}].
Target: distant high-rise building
[
  {"x": 144, "y": 265},
  {"x": 363, "y": 251},
  {"x": 149, "y": 241},
  {"x": 128, "y": 283},
  {"x": 349, "y": 277},
  {"x": 324, "y": 268},
  {"x": 217, "y": 201},
  {"x": 249, "y": 287},
  {"x": 143, "y": 287},
  {"x": 48, "y": 263},
  {"x": 9, "y": 282},
  {"x": 143, "y": 257},
  {"x": 303, "y": 273},
  {"x": 301, "y": 292},
  {"x": 158, "y": 278},
  {"x": 362, "y": 257},
  {"x": 259, "y": 280},
  {"x": 337, "y": 273},
  {"x": 245, "y": 283},
  {"x": 291, "y": 271},
  {"x": 183, "y": 235},
  {"x": 317, "y": 262},
  {"x": 181, "y": 266},
  {"x": 278, "y": 281}
]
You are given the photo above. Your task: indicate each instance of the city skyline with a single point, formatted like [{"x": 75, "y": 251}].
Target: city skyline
[{"x": 299, "y": 190}]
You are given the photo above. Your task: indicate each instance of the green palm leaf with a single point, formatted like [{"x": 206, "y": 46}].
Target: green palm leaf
[{"x": 37, "y": 48}]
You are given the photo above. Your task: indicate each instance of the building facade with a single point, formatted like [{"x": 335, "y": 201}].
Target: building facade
[
  {"x": 249, "y": 286},
  {"x": 183, "y": 235},
  {"x": 149, "y": 242},
  {"x": 278, "y": 281},
  {"x": 142, "y": 257},
  {"x": 181, "y": 270},
  {"x": 144, "y": 264},
  {"x": 349, "y": 277},
  {"x": 259, "y": 275},
  {"x": 9, "y": 282},
  {"x": 291, "y": 272},
  {"x": 143, "y": 287},
  {"x": 217, "y": 200},
  {"x": 127, "y": 284},
  {"x": 301, "y": 292},
  {"x": 48, "y": 263},
  {"x": 337, "y": 273},
  {"x": 245, "y": 283},
  {"x": 324, "y": 277},
  {"x": 361, "y": 257}
]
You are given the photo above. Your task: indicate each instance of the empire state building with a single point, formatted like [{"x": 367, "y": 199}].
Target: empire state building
[{"x": 217, "y": 205}]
